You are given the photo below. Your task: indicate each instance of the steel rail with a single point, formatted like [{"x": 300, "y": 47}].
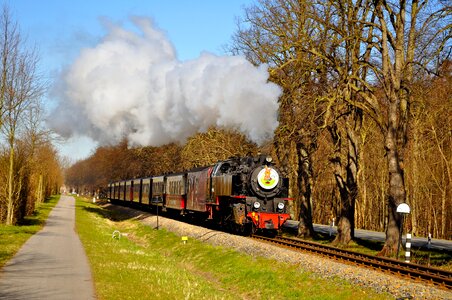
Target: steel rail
[{"x": 438, "y": 277}]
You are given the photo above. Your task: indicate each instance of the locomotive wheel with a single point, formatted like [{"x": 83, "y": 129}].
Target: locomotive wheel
[
  {"x": 249, "y": 227},
  {"x": 253, "y": 228},
  {"x": 231, "y": 227},
  {"x": 240, "y": 229},
  {"x": 245, "y": 229}
]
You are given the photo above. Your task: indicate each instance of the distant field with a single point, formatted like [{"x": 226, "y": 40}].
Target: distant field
[
  {"x": 151, "y": 264},
  {"x": 13, "y": 237}
]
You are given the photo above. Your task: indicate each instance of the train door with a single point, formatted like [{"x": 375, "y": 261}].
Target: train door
[{"x": 145, "y": 190}]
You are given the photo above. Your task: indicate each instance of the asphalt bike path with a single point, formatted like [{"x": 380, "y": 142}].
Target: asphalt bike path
[{"x": 52, "y": 264}]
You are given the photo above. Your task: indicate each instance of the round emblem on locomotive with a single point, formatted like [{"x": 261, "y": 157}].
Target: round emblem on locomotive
[{"x": 268, "y": 178}]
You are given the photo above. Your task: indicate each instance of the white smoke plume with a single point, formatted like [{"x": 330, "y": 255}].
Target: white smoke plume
[{"x": 132, "y": 84}]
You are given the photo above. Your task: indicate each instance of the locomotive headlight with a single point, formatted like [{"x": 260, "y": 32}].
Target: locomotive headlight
[
  {"x": 280, "y": 206},
  {"x": 269, "y": 159},
  {"x": 256, "y": 205}
]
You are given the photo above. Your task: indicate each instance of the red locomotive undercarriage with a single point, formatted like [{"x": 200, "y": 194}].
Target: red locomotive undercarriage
[{"x": 268, "y": 220}]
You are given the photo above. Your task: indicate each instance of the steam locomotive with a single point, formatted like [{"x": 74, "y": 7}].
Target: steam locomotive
[{"x": 241, "y": 194}]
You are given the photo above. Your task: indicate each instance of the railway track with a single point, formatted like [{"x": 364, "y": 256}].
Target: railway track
[{"x": 437, "y": 277}]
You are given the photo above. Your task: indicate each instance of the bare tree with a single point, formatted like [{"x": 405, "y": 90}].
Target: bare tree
[
  {"x": 207, "y": 148},
  {"x": 21, "y": 89},
  {"x": 9, "y": 44},
  {"x": 316, "y": 53},
  {"x": 411, "y": 35},
  {"x": 371, "y": 48},
  {"x": 272, "y": 32},
  {"x": 362, "y": 57},
  {"x": 429, "y": 155},
  {"x": 343, "y": 51}
]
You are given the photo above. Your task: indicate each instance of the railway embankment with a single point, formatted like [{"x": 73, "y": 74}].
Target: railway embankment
[
  {"x": 321, "y": 267},
  {"x": 132, "y": 260}
]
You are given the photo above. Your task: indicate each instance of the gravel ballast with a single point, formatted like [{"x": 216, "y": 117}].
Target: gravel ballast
[{"x": 322, "y": 267}]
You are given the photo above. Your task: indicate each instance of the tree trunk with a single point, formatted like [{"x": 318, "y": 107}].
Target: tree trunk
[
  {"x": 346, "y": 224},
  {"x": 10, "y": 199},
  {"x": 39, "y": 193},
  {"x": 362, "y": 187},
  {"x": 305, "y": 227},
  {"x": 444, "y": 234},
  {"x": 396, "y": 193},
  {"x": 415, "y": 199},
  {"x": 346, "y": 177},
  {"x": 285, "y": 153}
]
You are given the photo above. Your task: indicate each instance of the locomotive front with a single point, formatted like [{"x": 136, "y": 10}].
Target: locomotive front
[
  {"x": 268, "y": 206},
  {"x": 258, "y": 198}
]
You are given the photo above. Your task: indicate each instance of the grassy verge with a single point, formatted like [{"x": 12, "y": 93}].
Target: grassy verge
[
  {"x": 13, "y": 237},
  {"x": 151, "y": 264}
]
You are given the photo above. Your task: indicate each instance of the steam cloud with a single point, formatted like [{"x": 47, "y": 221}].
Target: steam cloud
[{"x": 132, "y": 84}]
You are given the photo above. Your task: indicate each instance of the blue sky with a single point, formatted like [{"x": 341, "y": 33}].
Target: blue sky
[{"x": 60, "y": 29}]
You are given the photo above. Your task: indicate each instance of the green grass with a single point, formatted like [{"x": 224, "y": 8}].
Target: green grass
[
  {"x": 155, "y": 264},
  {"x": 13, "y": 237}
]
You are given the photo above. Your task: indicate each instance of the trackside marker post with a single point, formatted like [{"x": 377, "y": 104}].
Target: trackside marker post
[
  {"x": 184, "y": 239},
  {"x": 408, "y": 248},
  {"x": 403, "y": 209}
]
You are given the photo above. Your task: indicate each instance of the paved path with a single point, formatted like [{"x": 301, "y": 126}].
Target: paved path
[{"x": 52, "y": 264}]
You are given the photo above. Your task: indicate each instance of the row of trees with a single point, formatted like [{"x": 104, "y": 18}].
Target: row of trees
[
  {"x": 29, "y": 166},
  {"x": 365, "y": 115},
  {"x": 344, "y": 65}
]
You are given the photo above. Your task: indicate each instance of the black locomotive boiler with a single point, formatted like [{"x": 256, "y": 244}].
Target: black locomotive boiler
[{"x": 243, "y": 194}]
